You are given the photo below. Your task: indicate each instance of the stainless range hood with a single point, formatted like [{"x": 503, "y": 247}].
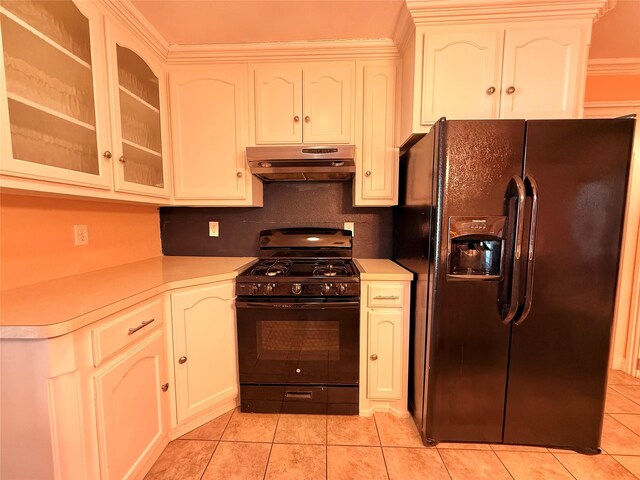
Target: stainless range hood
[{"x": 302, "y": 163}]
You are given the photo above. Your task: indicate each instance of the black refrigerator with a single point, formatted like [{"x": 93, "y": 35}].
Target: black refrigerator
[{"x": 513, "y": 231}]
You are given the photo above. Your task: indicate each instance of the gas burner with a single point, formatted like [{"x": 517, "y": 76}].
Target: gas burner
[
  {"x": 272, "y": 268},
  {"x": 329, "y": 270}
]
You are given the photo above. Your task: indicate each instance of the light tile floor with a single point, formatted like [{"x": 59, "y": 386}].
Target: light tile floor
[{"x": 263, "y": 446}]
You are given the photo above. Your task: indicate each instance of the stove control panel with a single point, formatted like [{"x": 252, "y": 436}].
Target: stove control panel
[{"x": 288, "y": 289}]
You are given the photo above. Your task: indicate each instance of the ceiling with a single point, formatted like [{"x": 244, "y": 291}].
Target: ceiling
[
  {"x": 258, "y": 21},
  {"x": 192, "y": 22}
]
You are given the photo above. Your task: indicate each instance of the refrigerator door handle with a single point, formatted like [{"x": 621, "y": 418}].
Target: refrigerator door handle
[
  {"x": 515, "y": 276},
  {"x": 532, "y": 190}
]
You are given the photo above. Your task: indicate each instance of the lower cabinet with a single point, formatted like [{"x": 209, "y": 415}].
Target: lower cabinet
[
  {"x": 129, "y": 407},
  {"x": 204, "y": 347},
  {"x": 384, "y": 367}
]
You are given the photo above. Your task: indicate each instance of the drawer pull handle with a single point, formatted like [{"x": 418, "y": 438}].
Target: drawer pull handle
[
  {"x": 133, "y": 330},
  {"x": 374, "y": 357},
  {"x": 386, "y": 297},
  {"x": 302, "y": 394},
  {"x": 182, "y": 360}
]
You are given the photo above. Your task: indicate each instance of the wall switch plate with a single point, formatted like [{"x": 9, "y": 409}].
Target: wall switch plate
[
  {"x": 213, "y": 229},
  {"x": 80, "y": 235},
  {"x": 349, "y": 226}
]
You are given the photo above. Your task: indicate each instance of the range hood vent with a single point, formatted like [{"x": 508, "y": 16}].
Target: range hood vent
[{"x": 302, "y": 163}]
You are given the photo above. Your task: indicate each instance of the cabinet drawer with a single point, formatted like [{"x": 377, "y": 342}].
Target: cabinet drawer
[
  {"x": 385, "y": 295},
  {"x": 125, "y": 329}
]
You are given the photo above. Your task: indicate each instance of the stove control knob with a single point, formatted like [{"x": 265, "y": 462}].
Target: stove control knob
[
  {"x": 326, "y": 288},
  {"x": 342, "y": 288},
  {"x": 268, "y": 288},
  {"x": 254, "y": 289},
  {"x": 296, "y": 289}
]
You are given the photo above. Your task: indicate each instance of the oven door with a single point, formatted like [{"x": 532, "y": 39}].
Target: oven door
[{"x": 298, "y": 341}]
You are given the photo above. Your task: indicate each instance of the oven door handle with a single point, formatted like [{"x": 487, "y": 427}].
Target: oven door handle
[{"x": 301, "y": 306}]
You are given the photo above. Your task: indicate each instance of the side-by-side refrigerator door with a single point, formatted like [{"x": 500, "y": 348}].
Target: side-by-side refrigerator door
[
  {"x": 480, "y": 167},
  {"x": 576, "y": 177}
]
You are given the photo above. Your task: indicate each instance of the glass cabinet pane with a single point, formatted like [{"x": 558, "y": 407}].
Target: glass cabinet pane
[
  {"x": 140, "y": 120},
  {"x": 49, "y": 78}
]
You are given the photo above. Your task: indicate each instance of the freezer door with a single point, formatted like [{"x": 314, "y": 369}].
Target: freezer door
[
  {"x": 559, "y": 352},
  {"x": 468, "y": 340}
]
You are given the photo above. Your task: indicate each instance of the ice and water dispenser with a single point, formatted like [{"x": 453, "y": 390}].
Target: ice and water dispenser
[{"x": 476, "y": 248}]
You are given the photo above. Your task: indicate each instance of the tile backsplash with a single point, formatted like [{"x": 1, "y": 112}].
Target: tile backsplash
[{"x": 185, "y": 230}]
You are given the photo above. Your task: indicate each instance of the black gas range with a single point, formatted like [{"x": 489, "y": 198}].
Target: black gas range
[{"x": 298, "y": 324}]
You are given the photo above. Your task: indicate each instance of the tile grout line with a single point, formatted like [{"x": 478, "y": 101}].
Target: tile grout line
[
  {"x": 217, "y": 444},
  {"x": 619, "y": 463},
  {"x": 502, "y": 463},
  {"x": 266, "y": 467},
  {"x": 563, "y": 465},
  {"x": 625, "y": 396},
  {"x": 442, "y": 460},
  {"x": 384, "y": 460}
]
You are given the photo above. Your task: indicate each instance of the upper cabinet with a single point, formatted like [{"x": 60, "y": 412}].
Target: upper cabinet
[
  {"x": 209, "y": 126},
  {"x": 82, "y": 105},
  {"x": 376, "y": 179},
  {"x": 470, "y": 65},
  {"x": 302, "y": 103},
  {"x": 137, "y": 99},
  {"x": 52, "y": 93},
  {"x": 529, "y": 71}
]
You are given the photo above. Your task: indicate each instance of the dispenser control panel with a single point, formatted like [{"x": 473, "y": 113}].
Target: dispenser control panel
[{"x": 475, "y": 248}]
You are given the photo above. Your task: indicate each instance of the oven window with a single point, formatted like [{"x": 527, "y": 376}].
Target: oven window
[
  {"x": 298, "y": 346},
  {"x": 312, "y": 340}
]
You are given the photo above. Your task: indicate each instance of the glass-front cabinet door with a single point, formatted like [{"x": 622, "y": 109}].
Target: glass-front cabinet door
[
  {"x": 53, "y": 107},
  {"x": 137, "y": 98}
]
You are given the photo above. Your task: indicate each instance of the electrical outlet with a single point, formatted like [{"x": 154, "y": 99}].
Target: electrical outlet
[
  {"x": 349, "y": 226},
  {"x": 213, "y": 229},
  {"x": 81, "y": 235}
]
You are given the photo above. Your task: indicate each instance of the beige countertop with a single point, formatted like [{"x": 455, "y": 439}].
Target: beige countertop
[
  {"x": 57, "y": 307},
  {"x": 381, "y": 269}
]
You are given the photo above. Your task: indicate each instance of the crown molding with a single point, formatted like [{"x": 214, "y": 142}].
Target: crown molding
[
  {"x": 403, "y": 28},
  {"x": 438, "y": 12},
  {"x": 138, "y": 25},
  {"x": 613, "y": 66},
  {"x": 611, "y": 108},
  {"x": 277, "y": 51}
]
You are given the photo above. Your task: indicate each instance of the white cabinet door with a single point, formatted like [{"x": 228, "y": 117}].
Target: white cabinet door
[
  {"x": 53, "y": 95},
  {"x": 385, "y": 354},
  {"x": 209, "y": 125},
  {"x": 461, "y": 74},
  {"x": 377, "y": 172},
  {"x": 204, "y": 347},
  {"x": 277, "y": 103},
  {"x": 138, "y": 103},
  {"x": 130, "y": 407},
  {"x": 541, "y": 72},
  {"x": 328, "y": 96}
]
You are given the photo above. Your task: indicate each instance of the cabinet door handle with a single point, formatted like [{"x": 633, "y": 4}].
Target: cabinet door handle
[
  {"x": 239, "y": 174},
  {"x": 491, "y": 90},
  {"x": 133, "y": 330},
  {"x": 307, "y": 119},
  {"x": 165, "y": 387},
  {"x": 386, "y": 297},
  {"x": 182, "y": 360},
  {"x": 296, "y": 118},
  {"x": 122, "y": 160},
  {"x": 367, "y": 173},
  {"x": 374, "y": 357},
  {"x": 107, "y": 154},
  {"x": 511, "y": 90}
]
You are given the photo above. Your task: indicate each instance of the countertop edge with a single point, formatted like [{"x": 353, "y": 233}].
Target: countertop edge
[
  {"x": 379, "y": 269},
  {"x": 63, "y": 327}
]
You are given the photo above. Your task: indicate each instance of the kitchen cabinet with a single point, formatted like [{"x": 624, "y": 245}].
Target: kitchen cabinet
[
  {"x": 209, "y": 126},
  {"x": 528, "y": 71},
  {"x": 82, "y": 105},
  {"x": 53, "y": 98},
  {"x": 138, "y": 93},
  {"x": 204, "y": 348},
  {"x": 302, "y": 103},
  {"x": 384, "y": 323},
  {"x": 376, "y": 178},
  {"x": 129, "y": 407}
]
